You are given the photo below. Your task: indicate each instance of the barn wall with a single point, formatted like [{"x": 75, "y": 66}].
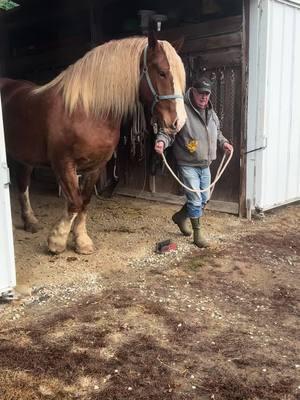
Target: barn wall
[
  {"x": 41, "y": 44},
  {"x": 38, "y": 45},
  {"x": 273, "y": 170}
]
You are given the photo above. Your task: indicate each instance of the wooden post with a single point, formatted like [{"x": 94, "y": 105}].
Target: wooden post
[{"x": 244, "y": 109}]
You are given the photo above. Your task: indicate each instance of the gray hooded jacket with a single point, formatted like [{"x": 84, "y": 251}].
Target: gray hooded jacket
[{"x": 196, "y": 143}]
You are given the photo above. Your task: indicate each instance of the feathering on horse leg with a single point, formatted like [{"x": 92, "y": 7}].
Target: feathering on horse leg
[
  {"x": 23, "y": 174},
  {"x": 57, "y": 240},
  {"x": 84, "y": 244}
]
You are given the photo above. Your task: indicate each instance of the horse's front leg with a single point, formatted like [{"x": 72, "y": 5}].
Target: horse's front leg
[
  {"x": 83, "y": 243},
  {"x": 67, "y": 178},
  {"x": 23, "y": 174}
]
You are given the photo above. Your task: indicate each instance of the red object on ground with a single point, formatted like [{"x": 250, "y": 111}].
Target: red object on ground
[{"x": 165, "y": 246}]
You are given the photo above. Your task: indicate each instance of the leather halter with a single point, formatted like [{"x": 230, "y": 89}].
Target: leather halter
[{"x": 156, "y": 97}]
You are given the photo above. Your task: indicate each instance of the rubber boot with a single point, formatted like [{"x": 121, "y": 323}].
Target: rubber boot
[
  {"x": 181, "y": 220},
  {"x": 199, "y": 239}
]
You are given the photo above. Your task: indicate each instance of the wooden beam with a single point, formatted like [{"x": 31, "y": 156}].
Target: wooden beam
[
  {"x": 205, "y": 29},
  {"x": 199, "y": 44},
  {"x": 213, "y": 205},
  {"x": 244, "y": 110}
]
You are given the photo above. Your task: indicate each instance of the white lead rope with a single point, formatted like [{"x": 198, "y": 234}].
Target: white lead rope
[{"x": 219, "y": 173}]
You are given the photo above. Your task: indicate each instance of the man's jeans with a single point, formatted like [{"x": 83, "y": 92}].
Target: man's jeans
[{"x": 195, "y": 178}]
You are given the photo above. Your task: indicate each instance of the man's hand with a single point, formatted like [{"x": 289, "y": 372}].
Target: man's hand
[
  {"x": 159, "y": 147},
  {"x": 228, "y": 148}
]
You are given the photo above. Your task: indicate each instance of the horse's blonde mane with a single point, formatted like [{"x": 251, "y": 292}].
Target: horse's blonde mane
[{"x": 106, "y": 80}]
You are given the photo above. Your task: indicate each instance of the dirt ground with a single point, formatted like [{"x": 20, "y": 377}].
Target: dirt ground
[{"x": 126, "y": 323}]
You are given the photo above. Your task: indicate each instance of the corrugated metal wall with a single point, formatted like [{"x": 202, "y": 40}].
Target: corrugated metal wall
[{"x": 273, "y": 173}]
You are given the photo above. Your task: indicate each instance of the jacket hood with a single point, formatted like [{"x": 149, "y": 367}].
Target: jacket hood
[{"x": 188, "y": 101}]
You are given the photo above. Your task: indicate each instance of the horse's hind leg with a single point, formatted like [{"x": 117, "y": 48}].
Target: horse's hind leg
[
  {"x": 83, "y": 242},
  {"x": 23, "y": 174},
  {"x": 66, "y": 174}
]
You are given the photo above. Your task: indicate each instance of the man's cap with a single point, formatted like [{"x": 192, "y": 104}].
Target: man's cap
[{"x": 203, "y": 85}]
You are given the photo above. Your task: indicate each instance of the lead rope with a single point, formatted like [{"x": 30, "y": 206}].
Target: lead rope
[{"x": 219, "y": 173}]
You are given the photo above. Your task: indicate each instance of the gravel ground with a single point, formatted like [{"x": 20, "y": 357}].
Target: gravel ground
[{"x": 128, "y": 323}]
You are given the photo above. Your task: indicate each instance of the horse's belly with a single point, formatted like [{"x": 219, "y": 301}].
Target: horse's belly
[
  {"x": 25, "y": 148},
  {"x": 25, "y": 133}
]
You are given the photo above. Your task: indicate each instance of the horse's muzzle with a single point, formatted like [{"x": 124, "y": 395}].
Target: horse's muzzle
[{"x": 162, "y": 127}]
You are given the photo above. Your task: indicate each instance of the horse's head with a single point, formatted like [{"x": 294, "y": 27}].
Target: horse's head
[{"x": 162, "y": 85}]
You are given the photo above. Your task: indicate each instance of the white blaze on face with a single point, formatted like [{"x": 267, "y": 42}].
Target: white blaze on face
[
  {"x": 181, "y": 114},
  {"x": 180, "y": 108},
  {"x": 178, "y": 74}
]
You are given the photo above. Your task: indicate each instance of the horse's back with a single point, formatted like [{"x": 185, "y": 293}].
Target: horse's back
[
  {"x": 11, "y": 87},
  {"x": 5, "y": 82},
  {"x": 24, "y": 121}
]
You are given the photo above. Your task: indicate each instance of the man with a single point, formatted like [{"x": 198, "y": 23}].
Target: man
[{"x": 194, "y": 148}]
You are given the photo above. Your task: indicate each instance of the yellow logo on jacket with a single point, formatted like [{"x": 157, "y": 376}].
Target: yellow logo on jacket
[{"x": 192, "y": 146}]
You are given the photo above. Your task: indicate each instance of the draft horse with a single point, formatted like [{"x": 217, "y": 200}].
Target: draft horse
[{"x": 72, "y": 123}]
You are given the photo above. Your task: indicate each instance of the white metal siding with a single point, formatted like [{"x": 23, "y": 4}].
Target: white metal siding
[
  {"x": 274, "y": 116},
  {"x": 7, "y": 260}
]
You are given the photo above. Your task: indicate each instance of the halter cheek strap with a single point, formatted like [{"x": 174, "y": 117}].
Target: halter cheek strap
[{"x": 156, "y": 97}]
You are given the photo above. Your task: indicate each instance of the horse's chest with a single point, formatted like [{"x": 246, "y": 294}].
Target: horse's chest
[{"x": 96, "y": 145}]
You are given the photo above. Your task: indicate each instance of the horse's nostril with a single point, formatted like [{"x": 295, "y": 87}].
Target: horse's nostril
[{"x": 175, "y": 124}]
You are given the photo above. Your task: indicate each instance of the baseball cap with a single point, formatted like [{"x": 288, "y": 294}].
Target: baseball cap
[{"x": 203, "y": 85}]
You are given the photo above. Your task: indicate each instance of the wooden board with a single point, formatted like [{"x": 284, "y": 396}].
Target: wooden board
[{"x": 214, "y": 205}]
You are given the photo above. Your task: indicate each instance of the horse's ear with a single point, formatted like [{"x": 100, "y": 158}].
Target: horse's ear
[
  {"x": 178, "y": 44},
  {"x": 152, "y": 39}
]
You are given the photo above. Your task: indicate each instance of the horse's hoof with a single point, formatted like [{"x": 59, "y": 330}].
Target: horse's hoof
[
  {"x": 87, "y": 249},
  {"x": 32, "y": 228},
  {"x": 55, "y": 247},
  {"x": 84, "y": 244}
]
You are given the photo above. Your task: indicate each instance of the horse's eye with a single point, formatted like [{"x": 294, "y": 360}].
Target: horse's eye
[{"x": 162, "y": 74}]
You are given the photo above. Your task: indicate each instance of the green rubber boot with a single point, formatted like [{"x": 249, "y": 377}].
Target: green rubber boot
[
  {"x": 199, "y": 239},
  {"x": 181, "y": 220}
]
